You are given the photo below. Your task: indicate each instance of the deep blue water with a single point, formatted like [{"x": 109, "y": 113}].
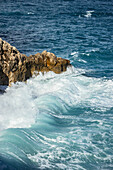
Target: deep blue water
[{"x": 60, "y": 121}]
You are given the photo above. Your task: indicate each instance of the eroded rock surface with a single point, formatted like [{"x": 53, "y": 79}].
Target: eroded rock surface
[{"x": 15, "y": 66}]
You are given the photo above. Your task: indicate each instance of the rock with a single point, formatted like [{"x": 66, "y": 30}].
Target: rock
[
  {"x": 15, "y": 66},
  {"x": 4, "y": 80},
  {"x": 61, "y": 65}
]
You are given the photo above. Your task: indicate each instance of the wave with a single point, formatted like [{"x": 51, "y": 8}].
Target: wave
[
  {"x": 57, "y": 121},
  {"x": 52, "y": 94}
]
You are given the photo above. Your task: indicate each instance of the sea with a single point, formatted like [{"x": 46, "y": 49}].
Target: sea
[{"x": 59, "y": 121}]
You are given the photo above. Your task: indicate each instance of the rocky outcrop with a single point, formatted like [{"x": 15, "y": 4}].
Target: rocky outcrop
[
  {"x": 12, "y": 64},
  {"x": 15, "y": 66}
]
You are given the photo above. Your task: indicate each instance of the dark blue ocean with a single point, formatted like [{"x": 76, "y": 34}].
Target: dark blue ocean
[{"x": 59, "y": 121}]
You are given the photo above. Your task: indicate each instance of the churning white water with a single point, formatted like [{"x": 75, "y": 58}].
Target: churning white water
[{"x": 24, "y": 103}]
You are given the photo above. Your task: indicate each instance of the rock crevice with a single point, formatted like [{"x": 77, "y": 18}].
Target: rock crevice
[{"x": 15, "y": 66}]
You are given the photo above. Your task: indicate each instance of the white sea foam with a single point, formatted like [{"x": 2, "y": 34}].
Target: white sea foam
[
  {"x": 23, "y": 104},
  {"x": 75, "y": 56},
  {"x": 88, "y": 14},
  {"x": 78, "y": 150},
  {"x": 92, "y": 50},
  {"x": 83, "y": 61},
  {"x": 30, "y": 13},
  {"x": 75, "y": 53}
]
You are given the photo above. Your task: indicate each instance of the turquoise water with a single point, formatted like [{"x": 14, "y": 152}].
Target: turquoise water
[{"x": 59, "y": 121}]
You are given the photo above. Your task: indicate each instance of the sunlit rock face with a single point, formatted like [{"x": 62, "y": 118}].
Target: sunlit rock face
[{"x": 15, "y": 66}]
